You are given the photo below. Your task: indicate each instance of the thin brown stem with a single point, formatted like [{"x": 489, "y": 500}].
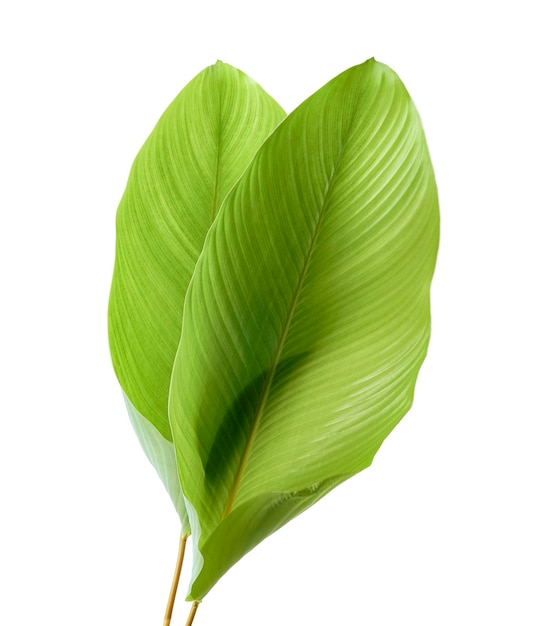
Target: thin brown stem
[
  {"x": 193, "y": 610},
  {"x": 175, "y": 583}
]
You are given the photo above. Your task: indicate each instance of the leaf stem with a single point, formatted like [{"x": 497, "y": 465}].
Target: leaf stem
[
  {"x": 193, "y": 610},
  {"x": 175, "y": 583}
]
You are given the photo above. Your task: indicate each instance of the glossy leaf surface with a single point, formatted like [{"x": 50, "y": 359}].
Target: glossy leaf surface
[
  {"x": 196, "y": 152},
  {"x": 194, "y": 155},
  {"x": 307, "y": 318}
]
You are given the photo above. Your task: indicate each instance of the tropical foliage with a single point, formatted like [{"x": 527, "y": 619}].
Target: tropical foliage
[{"x": 270, "y": 303}]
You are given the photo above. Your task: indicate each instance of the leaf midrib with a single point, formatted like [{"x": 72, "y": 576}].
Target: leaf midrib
[
  {"x": 219, "y": 151},
  {"x": 280, "y": 345}
]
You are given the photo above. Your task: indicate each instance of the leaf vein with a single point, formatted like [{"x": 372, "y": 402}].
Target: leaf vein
[{"x": 279, "y": 349}]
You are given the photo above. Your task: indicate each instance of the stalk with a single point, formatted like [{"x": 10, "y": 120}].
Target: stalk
[
  {"x": 193, "y": 610},
  {"x": 175, "y": 583}
]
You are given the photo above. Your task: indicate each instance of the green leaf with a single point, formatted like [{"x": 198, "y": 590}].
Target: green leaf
[
  {"x": 161, "y": 454},
  {"x": 195, "y": 154},
  {"x": 307, "y": 318}
]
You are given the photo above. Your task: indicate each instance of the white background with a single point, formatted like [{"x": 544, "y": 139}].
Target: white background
[{"x": 448, "y": 525}]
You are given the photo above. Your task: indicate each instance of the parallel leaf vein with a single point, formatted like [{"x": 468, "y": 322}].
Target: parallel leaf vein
[{"x": 279, "y": 349}]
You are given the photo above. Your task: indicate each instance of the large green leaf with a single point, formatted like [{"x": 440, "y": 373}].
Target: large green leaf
[
  {"x": 194, "y": 155},
  {"x": 307, "y": 318}
]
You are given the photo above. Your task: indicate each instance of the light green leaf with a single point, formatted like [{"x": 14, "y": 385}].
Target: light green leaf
[
  {"x": 195, "y": 154},
  {"x": 307, "y": 318},
  {"x": 161, "y": 454}
]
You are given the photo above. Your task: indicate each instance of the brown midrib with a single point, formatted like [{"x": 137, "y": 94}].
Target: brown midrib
[{"x": 279, "y": 349}]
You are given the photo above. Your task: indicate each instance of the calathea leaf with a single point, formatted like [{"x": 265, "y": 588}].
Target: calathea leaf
[
  {"x": 307, "y": 318},
  {"x": 194, "y": 155}
]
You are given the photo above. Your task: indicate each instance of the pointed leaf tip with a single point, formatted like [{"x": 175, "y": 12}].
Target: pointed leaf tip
[
  {"x": 196, "y": 152},
  {"x": 308, "y": 315}
]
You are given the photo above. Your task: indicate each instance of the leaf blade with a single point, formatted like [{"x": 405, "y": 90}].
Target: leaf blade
[
  {"x": 308, "y": 316},
  {"x": 195, "y": 154},
  {"x": 161, "y": 454}
]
